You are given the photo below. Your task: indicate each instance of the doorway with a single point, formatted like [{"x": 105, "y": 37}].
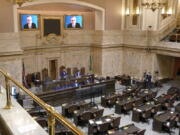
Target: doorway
[
  {"x": 53, "y": 69},
  {"x": 176, "y": 73}
]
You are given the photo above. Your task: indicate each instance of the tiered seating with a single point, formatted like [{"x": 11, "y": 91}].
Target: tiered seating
[
  {"x": 142, "y": 102},
  {"x": 144, "y": 105}
]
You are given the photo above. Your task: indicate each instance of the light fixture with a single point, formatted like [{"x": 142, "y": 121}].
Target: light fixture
[
  {"x": 154, "y": 4},
  {"x": 169, "y": 12},
  {"x": 127, "y": 12},
  {"x": 137, "y": 11},
  {"x": 163, "y": 13}
]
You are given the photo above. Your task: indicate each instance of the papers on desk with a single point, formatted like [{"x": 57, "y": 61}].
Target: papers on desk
[
  {"x": 139, "y": 110},
  {"x": 146, "y": 91},
  {"x": 64, "y": 104},
  {"x": 111, "y": 131},
  {"x": 99, "y": 122},
  {"x": 125, "y": 127},
  {"x": 129, "y": 89},
  {"x": 168, "y": 124},
  {"x": 91, "y": 121},
  {"x": 108, "y": 119},
  {"x": 75, "y": 111}
]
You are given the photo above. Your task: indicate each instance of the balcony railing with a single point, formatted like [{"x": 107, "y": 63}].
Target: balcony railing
[{"x": 52, "y": 113}]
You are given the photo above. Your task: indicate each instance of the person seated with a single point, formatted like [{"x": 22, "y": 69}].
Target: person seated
[
  {"x": 77, "y": 74},
  {"x": 63, "y": 74},
  {"x": 76, "y": 84},
  {"x": 108, "y": 78}
]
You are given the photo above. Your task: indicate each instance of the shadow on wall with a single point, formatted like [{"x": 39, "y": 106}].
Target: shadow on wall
[{"x": 3, "y": 128}]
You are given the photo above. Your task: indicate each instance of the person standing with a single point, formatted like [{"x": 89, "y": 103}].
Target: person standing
[
  {"x": 149, "y": 78},
  {"x": 63, "y": 74}
]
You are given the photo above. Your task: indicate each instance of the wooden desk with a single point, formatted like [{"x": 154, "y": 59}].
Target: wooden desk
[
  {"x": 147, "y": 95},
  {"x": 144, "y": 111},
  {"x": 165, "y": 100},
  {"x": 126, "y": 130},
  {"x": 53, "y": 97},
  {"x": 69, "y": 108},
  {"x": 124, "y": 105},
  {"x": 105, "y": 122},
  {"x": 163, "y": 118},
  {"x": 126, "y": 80},
  {"x": 177, "y": 108},
  {"x": 37, "y": 112},
  {"x": 130, "y": 91},
  {"x": 110, "y": 100},
  {"x": 90, "y": 113}
]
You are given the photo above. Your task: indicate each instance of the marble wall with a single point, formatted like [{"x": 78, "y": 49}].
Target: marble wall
[
  {"x": 13, "y": 66},
  {"x": 68, "y": 57},
  {"x": 111, "y": 52},
  {"x": 165, "y": 65},
  {"x": 105, "y": 53},
  {"x": 112, "y": 61},
  {"x": 11, "y": 56}
]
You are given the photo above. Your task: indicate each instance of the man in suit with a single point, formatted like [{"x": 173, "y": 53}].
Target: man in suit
[
  {"x": 73, "y": 23},
  {"x": 149, "y": 77},
  {"x": 29, "y": 24},
  {"x": 77, "y": 74},
  {"x": 63, "y": 74}
]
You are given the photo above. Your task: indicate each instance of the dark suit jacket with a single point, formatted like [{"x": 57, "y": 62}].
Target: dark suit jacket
[
  {"x": 77, "y": 25},
  {"x": 33, "y": 26},
  {"x": 63, "y": 75}
]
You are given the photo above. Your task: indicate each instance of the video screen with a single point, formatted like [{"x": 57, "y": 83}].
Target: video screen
[
  {"x": 29, "y": 21},
  {"x": 73, "y": 21}
]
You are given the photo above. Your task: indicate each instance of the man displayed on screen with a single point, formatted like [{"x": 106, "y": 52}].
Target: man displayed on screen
[
  {"x": 73, "y": 23},
  {"x": 29, "y": 24}
]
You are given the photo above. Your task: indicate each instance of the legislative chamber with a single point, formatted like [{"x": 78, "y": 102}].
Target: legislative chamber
[{"x": 90, "y": 67}]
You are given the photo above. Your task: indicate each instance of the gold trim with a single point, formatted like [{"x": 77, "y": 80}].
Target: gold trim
[
  {"x": 51, "y": 123},
  {"x": 53, "y": 113},
  {"x": 8, "y": 96}
]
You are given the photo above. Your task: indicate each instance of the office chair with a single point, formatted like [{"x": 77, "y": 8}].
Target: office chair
[
  {"x": 85, "y": 117},
  {"x": 146, "y": 115},
  {"x": 98, "y": 114},
  {"x": 72, "y": 109},
  {"x": 167, "y": 127},
  {"x": 115, "y": 123},
  {"x": 103, "y": 128}
]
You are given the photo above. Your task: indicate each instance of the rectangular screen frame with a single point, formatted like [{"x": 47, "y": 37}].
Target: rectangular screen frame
[
  {"x": 73, "y": 28},
  {"x": 20, "y": 22},
  {"x": 52, "y": 17}
]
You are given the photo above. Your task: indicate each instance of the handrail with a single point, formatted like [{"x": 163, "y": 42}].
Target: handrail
[{"x": 51, "y": 111}]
